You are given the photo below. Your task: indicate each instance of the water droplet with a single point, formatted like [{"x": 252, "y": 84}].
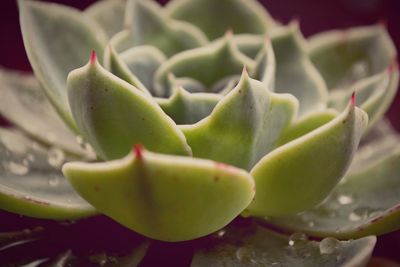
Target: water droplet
[
  {"x": 221, "y": 233},
  {"x": 54, "y": 181},
  {"x": 16, "y": 168},
  {"x": 344, "y": 199},
  {"x": 328, "y": 245},
  {"x": 311, "y": 224},
  {"x": 354, "y": 217},
  {"x": 297, "y": 239},
  {"x": 359, "y": 70},
  {"x": 55, "y": 157},
  {"x": 244, "y": 255}
]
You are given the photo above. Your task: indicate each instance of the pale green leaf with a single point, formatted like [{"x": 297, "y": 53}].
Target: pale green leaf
[
  {"x": 164, "y": 197},
  {"x": 109, "y": 14},
  {"x": 150, "y": 25},
  {"x": 374, "y": 93},
  {"x": 31, "y": 182},
  {"x": 301, "y": 173},
  {"x": 261, "y": 247},
  {"x": 57, "y": 40},
  {"x": 366, "y": 202},
  {"x": 188, "y": 108},
  {"x": 345, "y": 56},
  {"x": 244, "y": 126},
  {"x": 208, "y": 64},
  {"x": 24, "y": 104},
  {"x": 113, "y": 115},
  {"x": 295, "y": 74},
  {"x": 214, "y": 18},
  {"x": 143, "y": 61}
]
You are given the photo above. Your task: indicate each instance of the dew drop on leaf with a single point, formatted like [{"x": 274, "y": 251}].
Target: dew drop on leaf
[
  {"x": 297, "y": 239},
  {"x": 55, "y": 157},
  {"x": 344, "y": 199},
  {"x": 54, "y": 181},
  {"x": 16, "y": 168},
  {"x": 328, "y": 245}
]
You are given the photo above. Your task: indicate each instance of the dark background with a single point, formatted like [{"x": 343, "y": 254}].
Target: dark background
[{"x": 314, "y": 16}]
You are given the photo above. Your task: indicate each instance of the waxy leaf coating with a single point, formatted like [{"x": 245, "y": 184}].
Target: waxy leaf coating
[
  {"x": 57, "y": 40},
  {"x": 113, "y": 115},
  {"x": 244, "y": 126},
  {"x": 31, "y": 182},
  {"x": 164, "y": 197},
  {"x": 301, "y": 173}
]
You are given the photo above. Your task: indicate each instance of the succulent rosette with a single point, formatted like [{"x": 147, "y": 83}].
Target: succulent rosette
[{"x": 173, "y": 121}]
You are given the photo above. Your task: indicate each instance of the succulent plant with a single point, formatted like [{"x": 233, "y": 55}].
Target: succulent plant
[{"x": 173, "y": 121}]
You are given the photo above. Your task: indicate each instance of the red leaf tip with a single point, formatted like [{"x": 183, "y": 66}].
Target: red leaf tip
[
  {"x": 93, "y": 57},
  {"x": 138, "y": 150},
  {"x": 383, "y": 22},
  {"x": 353, "y": 99}
]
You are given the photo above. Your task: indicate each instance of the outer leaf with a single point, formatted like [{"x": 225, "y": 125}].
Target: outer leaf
[
  {"x": 344, "y": 57},
  {"x": 375, "y": 93},
  {"x": 24, "y": 104},
  {"x": 216, "y": 17},
  {"x": 295, "y": 74},
  {"x": 244, "y": 126},
  {"x": 31, "y": 186},
  {"x": 366, "y": 202},
  {"x": 207, "y": 65},
  {"x": 143, "y": 61},
  {"x": 151, "y": 26},
  {"x": 164, "y": 197},
  {"x": 113, "y": 115},
  {"x": 187, "y": 108},
  {"x": 300, "y": 174},
  {"x": 261, "y": 247},
  {"x": 41, "y": 24},
  {"x": 109, "y": 14}
]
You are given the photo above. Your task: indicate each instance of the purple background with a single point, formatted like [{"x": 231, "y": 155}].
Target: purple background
[{"x": 314, "y": 16}]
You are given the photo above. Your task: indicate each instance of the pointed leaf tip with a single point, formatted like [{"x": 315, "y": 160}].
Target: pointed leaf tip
[
  {"x": 383, "y": 22},
  {"x": 138, "y": 150},
  {"x": 93, "y": 57},
  {"x": 353, "y": 99}
]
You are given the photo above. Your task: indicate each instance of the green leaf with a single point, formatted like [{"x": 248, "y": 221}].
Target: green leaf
[
  {"x": 118, "y": 67},
  {"x": 301, "y": 173},
  {"x": 295, "y": 74},
  {"x": 208, "y": 65},
  {"x": 345, "y": 56},
  {"x": 113, "y": 115},
  {"x": 150, "y": 25},
  {"x": 306, "y": 124},
  {"x": 25, "y": 105},
  {"x": 244, "y": 126},
  {"x": 57, "y": 39},
  {"x": 374, "y": 93},
  {"x": 109, "y": 14},
  {"x": 262, "y": 247},
  {"x": 186, "y": 108},
  {"x": 366, "y": 202},
  {"x": 31, "y": 182},
  {"x": 249, "y": 44},
  {"x": 265, "y": 68},
  {"x": 164, "y": 197},
  {"x": 214, "y": 18},
  {"x": 143, "y": 61}
]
